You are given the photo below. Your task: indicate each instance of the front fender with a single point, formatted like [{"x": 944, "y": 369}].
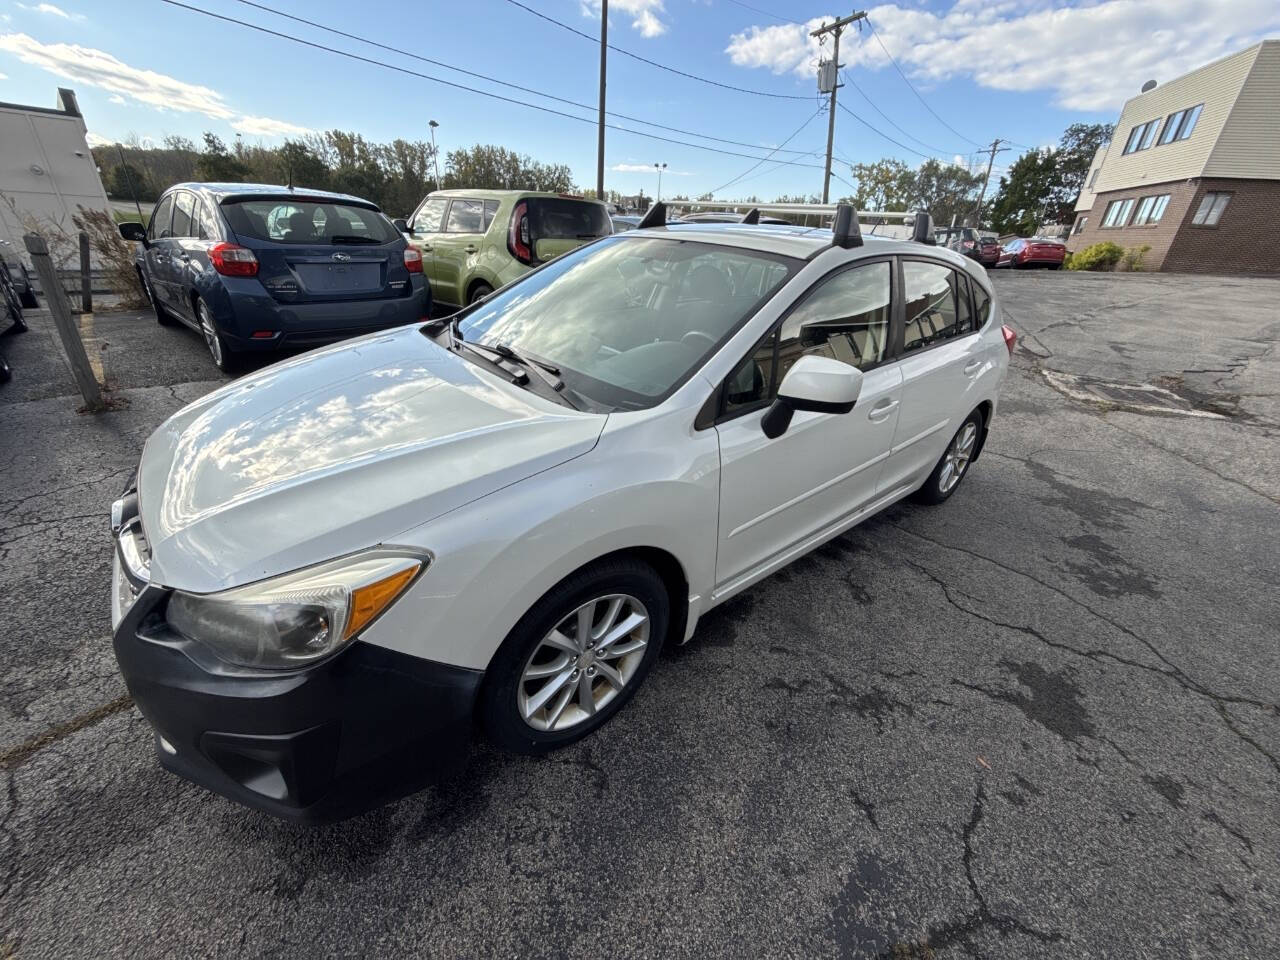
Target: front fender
[{"x": 494, "y": 558}]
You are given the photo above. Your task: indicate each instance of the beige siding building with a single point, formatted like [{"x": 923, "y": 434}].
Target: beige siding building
[
  {"x": 1193, "y": 171},
  {"x": 46, "y": 169}
]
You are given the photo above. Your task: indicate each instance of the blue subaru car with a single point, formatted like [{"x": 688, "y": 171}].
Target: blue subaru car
[{"x": 257, "y": 268}]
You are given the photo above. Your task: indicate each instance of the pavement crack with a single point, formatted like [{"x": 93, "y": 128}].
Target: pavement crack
[{"x": 14, "y": 757}]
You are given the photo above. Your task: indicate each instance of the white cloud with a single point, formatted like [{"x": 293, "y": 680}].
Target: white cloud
[
  {"x": 1092, "y": 57},
  {"x": 97, "y": 68},
  {"x": 94, "y": 140},
  {"x": 115, "y": 98},
  {"x": 4, "y": 76},
  {"x": 266, "y": 127},
  {"x": 51, "y": 10},
  {"x": 644, "y": 14}
]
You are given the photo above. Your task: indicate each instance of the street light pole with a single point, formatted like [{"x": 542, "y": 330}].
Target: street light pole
[
  {"x": 435, "y": 154},
  {"x": 604, "y": 49},
  {"x": 659, "y": 168}
]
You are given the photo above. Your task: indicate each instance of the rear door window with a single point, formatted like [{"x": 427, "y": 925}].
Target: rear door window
[
  {"x": 297, "y": 221},
  {"x": 465, "y": 216},
  {"x": 562, "y": 218},
  {"x": 183, "y": 207},
  {"x": 930, "y": 296}
]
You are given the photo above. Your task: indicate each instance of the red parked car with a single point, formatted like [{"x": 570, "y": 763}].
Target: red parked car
[{"x": 1033, "y": 252}]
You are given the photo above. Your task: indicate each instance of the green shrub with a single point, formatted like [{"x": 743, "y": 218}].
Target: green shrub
[
  {"x": 1100, "y": 256},
  {"x": 1132, "y": 258}
]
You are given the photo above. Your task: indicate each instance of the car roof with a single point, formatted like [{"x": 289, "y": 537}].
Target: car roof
[
  {"x": 789, "y": 241},
  {"x": 504, "y": 194},
  {"x": 222, "y": 192}
]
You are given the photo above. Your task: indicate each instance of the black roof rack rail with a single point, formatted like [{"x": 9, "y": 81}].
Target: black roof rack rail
[
  {"x": 655, "y": 216},
  {"x": 752, "y": 217}
]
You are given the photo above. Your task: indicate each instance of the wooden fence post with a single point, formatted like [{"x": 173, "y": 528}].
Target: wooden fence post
[
  {"x": 68, "y": 333},
  {"x": 86, "y": 282}
]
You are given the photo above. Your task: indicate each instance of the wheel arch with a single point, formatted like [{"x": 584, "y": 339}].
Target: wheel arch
[
  {"x": 985, "y": 409},
  {"x": 476, "y": 281}
]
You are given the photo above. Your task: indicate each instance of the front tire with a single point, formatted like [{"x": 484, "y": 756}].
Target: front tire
[
  {"x": 576, "y": 657},
  {"x": 954, "y": 465}
]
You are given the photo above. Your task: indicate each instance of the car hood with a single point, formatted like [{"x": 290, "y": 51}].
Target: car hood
[{"x": 336, "y": 451}]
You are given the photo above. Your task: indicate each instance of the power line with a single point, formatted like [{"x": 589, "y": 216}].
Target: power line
[
  {"x": 795, "y": 134},
  {"x": 503, "y": 83},
  {"x": 462, "y": 86},
  {"x": 888, "y": 119},
  {"x": 915, "y": 91},
  {"x": 774, "y": 16},
  {"x": 875, "y": 131},
  {"x": 654, "y": 63}
]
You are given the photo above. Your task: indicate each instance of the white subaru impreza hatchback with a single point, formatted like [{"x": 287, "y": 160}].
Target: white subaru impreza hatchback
[{"x": 328, "y": 572}]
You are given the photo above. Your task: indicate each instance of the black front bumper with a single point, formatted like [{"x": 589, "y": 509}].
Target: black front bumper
[{"x": 352, "y": 732}]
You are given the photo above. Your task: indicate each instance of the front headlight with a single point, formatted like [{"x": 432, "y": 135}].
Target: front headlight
[{"x": 291, "y": 620}]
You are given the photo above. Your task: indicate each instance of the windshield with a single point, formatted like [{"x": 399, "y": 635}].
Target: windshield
[
  {"x": 301, "y": 221},
  {"x": 628, "y": 319}
]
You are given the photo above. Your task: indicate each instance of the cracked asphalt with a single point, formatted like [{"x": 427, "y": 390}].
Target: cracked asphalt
[{"x": 1040, "y": 720}]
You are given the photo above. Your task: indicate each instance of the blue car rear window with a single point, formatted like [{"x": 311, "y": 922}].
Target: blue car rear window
[{"x": 289, "y": 220}]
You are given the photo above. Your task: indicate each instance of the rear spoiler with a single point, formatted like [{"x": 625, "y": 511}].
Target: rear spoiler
[{"x": 285, "y": 195}]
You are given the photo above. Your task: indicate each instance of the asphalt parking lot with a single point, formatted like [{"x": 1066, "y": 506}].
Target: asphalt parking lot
[{"x": 1040, "y": 720}]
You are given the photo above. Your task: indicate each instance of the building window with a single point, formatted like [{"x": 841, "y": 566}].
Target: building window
[
  {"x": 1094, "y": 177},
  {"x": 1141, "y": 136},
  {"x": 1210, "y": 211},
  {"x": 1080, "y": 225},
  {"x": 1117, "y": 214},
  {"x": 1179, "y": 125},
  {"x": 1151, "y": 209}
]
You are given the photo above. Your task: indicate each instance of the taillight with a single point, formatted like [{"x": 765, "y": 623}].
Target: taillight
[
  {"x": 412, "y": 260},
  {"x": 518, "y": 234},
  {"x": 232, "y": 260},
  {"x": 1010, "y": 337}
]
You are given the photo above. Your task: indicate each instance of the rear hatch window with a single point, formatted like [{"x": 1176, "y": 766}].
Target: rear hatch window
[
  {"x": 559, "y": 224},
  {"x": 320, "y": 250},
  {"x": 301, "y": 221}
]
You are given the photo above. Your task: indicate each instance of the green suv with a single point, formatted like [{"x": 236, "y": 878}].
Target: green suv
[{"x": 474, "y": 241}]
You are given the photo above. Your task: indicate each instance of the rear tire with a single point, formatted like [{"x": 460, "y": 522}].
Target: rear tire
[
  {"x": 223, "y": 357},
  {"x": 953, "y": 466},
  {"x": 478, "y": 291},
  {"x": 544, "y": 688}
]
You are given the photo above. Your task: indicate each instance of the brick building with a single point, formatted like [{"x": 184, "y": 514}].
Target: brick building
[{"x": 1194, "y": 171}]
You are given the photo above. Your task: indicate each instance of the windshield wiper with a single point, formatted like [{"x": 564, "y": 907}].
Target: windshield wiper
[{"x": 548, "y": 373}]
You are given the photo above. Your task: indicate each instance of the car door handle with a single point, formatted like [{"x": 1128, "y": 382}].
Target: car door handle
[
  {"x": 972, "y": 367},
  {"x": 882, "y": 410},
  {"x": 470, "y": 248}
]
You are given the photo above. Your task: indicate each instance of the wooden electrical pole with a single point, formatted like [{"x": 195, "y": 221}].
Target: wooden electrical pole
[
  {"x": 982, "y": 194},
  {"x": 604, "y": 52},
  {"x": 835, "y": 29}
]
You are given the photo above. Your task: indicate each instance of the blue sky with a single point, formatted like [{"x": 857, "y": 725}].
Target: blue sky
[{"x": 1021, "y": 70}]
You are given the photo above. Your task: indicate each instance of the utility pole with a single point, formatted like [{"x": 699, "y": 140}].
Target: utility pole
[
  {"x": 994, "y": 148},
  {"x": 835, "y": 29},
  {"x": 604, "y": 50}
]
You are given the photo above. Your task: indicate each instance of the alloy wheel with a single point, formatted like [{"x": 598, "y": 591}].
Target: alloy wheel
[
  {"x": 211, "y": 337},
  {"x": 956, "y": 459},
  {"x": 584, "y": 662}
]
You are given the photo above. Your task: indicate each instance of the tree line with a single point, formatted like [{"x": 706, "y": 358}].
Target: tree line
[
  {"x": 1041, "y": 186},
  {"x": 395, "y": 175}
]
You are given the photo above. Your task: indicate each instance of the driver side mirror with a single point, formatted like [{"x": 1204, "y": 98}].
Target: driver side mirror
[
  {"x": 400, "y": 224},
  {"x": 816, "y": 384},
  {"x": 134, "y": 231}
]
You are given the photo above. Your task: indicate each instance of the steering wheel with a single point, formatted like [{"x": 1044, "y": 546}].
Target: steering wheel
[{"x": 698, "y": 335}]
